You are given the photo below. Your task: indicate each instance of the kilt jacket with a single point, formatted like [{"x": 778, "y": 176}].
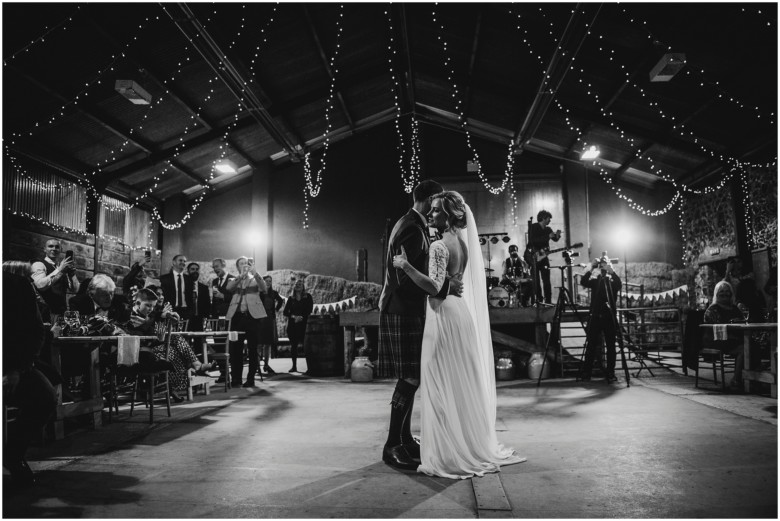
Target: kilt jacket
[{"x": 400, "y": 295}]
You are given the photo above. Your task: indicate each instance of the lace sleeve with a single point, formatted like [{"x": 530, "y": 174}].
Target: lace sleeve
[{"x": 437, "y": 263}]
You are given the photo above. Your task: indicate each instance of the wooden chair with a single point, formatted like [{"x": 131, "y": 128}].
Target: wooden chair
[
  {"x": 156, "y": 380},
  {"x": 720, "y": 360},
  {"x": 219, "y": 346}
]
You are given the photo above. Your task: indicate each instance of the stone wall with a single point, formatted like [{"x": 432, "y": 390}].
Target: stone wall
[{"x": 25, "y": 239}]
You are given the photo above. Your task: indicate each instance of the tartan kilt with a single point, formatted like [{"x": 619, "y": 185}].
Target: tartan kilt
[{"x": 400, "y": 346}]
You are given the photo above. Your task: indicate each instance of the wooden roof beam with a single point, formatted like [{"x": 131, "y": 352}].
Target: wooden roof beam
[{"x": 326, "y": 64}]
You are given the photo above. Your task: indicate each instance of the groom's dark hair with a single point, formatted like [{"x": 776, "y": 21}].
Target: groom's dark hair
[{"x": 426, "y": 189}]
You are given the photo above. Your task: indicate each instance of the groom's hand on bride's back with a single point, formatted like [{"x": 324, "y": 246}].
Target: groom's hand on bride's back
[{"x": 456, "y": 287}]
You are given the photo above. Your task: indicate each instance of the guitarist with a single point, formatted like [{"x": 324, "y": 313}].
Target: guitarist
[{"x": 539, "y": 236}]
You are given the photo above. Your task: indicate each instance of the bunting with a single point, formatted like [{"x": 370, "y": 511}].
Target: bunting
[
  {"x": 334, "y": 307},
  {"x": 670, "y": 294}
]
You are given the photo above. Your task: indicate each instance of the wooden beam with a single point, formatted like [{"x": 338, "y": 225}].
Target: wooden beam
[
  {"x": 326, "y": 64},
  {"x": 472, "y": 61}
]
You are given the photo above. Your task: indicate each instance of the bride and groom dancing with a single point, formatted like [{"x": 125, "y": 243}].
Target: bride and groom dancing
[{"x": 434, "y": 334}]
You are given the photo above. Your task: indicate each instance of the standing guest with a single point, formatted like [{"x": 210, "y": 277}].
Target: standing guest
[
  {"x": 220, "y": 299},
  {"x": 604, "y": 285},
  {"x": 53, "y": 280},
  {"x": 515, "y": 269},
  {"x": 201, "y": 298},
  {"x": 177, "y": 287},
  {"x": 135, "y": 279},
  {"x": 24, "y": 386},
  {"x": 297, "y": 310},
  {"x": 269, "y": 336},
  {"x": 245, "y": 312},
  {"x": 539, "y": 238},
  {"x": 220, "y": 296}
]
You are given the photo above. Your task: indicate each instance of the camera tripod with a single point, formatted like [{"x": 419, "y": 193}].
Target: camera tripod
[
  {"x": 611, "y": 307},
  {"x": 564, "y": 298}
]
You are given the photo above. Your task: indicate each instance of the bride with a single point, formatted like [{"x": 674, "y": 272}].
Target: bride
[{"x": 457, "y": 387}]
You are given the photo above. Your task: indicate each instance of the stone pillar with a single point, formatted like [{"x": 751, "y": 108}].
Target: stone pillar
[{"x": 262, "y": 216}]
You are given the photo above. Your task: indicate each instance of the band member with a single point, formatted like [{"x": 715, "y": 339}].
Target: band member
[
  {"x": 515, "y": 273},
  {"x": 539, "y": 237}
]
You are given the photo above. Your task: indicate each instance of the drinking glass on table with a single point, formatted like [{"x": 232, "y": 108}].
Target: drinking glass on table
[
  {"x": 745, "y": 311},
  {"x": 72, "y": 322}
]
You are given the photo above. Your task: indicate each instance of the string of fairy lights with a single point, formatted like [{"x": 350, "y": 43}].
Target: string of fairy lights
[
  {"x": 411, "y": 154},
  {"x": 462, "y": 118},
  {"x": 42, "y": 38},
  {"x": 313, "y": 186},
  {"x": 410, "y": 179}
]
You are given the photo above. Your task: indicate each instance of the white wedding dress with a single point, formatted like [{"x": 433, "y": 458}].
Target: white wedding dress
[{"x": 457, "y": 394}]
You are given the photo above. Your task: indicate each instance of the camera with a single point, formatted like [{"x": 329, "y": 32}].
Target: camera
[{"x": 605, "y": 259}]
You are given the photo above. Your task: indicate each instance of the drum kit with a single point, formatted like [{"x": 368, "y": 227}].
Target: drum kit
[{"x": 513, "y": 291}]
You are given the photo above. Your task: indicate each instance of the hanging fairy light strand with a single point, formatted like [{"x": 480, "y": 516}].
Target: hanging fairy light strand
[
  {"x": 462, "y": 119},
  {"x": 410, "y": 179},
  {"x": 313, "y": 186},
  {"x": 42, "y": 38}
]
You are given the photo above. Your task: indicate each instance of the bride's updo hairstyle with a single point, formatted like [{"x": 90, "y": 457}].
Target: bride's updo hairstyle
[{"x": 455, "y": 208}]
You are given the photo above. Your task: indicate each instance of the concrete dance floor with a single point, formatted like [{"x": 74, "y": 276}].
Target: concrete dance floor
[{"x": 300, "y": 447}]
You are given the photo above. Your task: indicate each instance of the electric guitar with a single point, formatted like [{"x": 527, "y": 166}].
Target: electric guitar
[{"x": 533, "y": 255}]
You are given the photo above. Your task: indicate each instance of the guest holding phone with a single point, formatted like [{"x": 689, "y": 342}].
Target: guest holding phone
[
  {"x": 245, "y": 312},
  {"x": 54, "y": 279}
]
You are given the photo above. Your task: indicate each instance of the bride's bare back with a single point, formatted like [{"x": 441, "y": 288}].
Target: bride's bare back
[{"x": 458, "y": 255}]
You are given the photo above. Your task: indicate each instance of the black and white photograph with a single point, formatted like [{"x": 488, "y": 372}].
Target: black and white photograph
[{"x": 365, "y": 260}]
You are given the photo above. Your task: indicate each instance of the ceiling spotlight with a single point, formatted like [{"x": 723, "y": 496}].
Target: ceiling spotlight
[
  {"x": 494, "y": 240},
  {"x": 225, "y": 167},
  {"x": 482, "y": 241},
  {"x": 132, "y": 91},
  {"x": 506, "y": 238},
  {"x": 591, "y": 152}
]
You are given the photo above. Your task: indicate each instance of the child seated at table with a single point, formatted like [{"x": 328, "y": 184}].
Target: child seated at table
[{"x": 148, "y": 317}]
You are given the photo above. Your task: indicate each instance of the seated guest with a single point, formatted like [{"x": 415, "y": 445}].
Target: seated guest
[
  {"x": 42, "y": 361},
  {"x": 724, "y": 310},
  {"x": 100, "y": 300},
  {"x": 24, "y": 386},
  {"x": 136, "y": 279},
  {"x": 149, "y": 318}
]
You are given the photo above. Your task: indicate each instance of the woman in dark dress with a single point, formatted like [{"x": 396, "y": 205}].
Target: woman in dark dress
[{"x": 297, "y": 311}]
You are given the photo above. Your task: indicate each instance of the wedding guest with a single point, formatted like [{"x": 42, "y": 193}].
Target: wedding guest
[
  {"x": 135, "y": 279},
  {"x": 245, "y": 312},
  {"x": 220, "y": 296},
  {"x": 24, "y": 386},
  {"x": 177, "y": 287},
  {"x": 201, "y": 298},
  {"x": 269, "y": 336},
  {"x": 297, "y": 310},
  {"x": 53, "y": 279},
  {"x": 724, "y": 310}
]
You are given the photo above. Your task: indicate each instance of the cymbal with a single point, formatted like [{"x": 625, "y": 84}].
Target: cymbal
[{"x": 489, "y": 270}]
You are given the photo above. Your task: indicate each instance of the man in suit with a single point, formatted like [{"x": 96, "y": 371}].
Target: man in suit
[
  {"x": 220, "y": 296},
  {"x": 201, "y": 298},
  {"x": 178, "y": 287},
  {"x": 402, "y": 307}
]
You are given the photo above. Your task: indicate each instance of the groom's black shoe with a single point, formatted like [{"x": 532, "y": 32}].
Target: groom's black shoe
[
  {"x": 413, "y": 450},
  {"x": 398, "y": 457}
]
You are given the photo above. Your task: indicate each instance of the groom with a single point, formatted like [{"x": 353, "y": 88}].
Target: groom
[{"x": 402, "y": 308}]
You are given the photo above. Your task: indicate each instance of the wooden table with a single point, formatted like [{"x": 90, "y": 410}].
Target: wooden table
[
  {"x": 748, "y": 374},
  {"x": 94, "y": 403},
  {"x": 539, "y": 316}
]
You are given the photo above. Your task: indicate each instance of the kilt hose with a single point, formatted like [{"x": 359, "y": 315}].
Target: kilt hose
[{"x": 400, "y": 346}]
